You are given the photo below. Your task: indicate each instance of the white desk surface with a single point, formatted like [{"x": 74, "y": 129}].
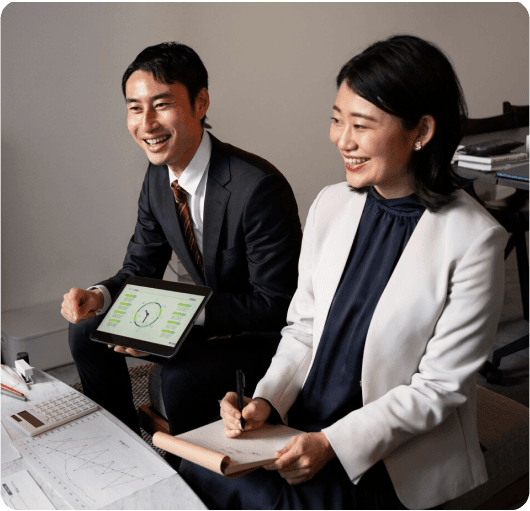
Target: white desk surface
[{"x": 170, "y": 493}]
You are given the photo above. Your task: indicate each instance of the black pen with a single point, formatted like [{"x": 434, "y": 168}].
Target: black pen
[{"x": 240, "y": 377}]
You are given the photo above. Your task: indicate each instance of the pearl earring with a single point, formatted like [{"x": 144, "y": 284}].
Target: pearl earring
[{"x": 417, "y": 146}]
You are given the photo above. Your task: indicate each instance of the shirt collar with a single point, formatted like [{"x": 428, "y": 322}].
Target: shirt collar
[{"x": 191, "y": 176}]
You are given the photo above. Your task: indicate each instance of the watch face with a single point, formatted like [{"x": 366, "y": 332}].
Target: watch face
[{"x": 147, "y": 314}]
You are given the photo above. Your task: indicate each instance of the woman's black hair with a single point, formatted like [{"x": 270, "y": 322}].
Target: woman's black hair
[
  {"x": 170, "y": 63},
  {"x": 408, "y": 78}
]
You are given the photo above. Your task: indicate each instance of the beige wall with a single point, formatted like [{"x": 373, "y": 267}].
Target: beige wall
[{"x": 71, "y": 173}]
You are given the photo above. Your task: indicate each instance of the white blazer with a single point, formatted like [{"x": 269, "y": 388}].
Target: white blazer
[{"x": 433, "y": 328}]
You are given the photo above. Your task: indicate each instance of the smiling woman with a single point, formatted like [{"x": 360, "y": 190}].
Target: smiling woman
[
  {"x": 399, "y": 294},
  {"x": 411, "y": 101},
  {"x": 375, "y": 145}
]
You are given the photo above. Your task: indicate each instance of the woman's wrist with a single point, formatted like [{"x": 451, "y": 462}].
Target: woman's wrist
[
  {"x": 265, "y": 405},
  {"x": 326, "y": 446}
]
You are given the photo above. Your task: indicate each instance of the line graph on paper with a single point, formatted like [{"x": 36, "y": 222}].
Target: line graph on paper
[{"x": 93, "y": 461}]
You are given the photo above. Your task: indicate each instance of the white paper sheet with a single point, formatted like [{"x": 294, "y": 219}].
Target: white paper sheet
[
  {"x": 9, "y": 453},
  {"x": 94, "y": 461},
  {"x": 20, "y": 491},
  {"x": 250, "y": 447}
]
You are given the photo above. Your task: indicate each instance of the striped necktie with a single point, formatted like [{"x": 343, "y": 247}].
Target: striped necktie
[{"x": 185, "y": 222}]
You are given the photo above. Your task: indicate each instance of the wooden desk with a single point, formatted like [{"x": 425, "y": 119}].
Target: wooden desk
[
  {"x": 491, "y": 177},
  {"x": 169, "y": 493}
]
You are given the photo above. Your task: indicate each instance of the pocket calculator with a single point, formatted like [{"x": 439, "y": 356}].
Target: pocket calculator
[{"x": 55, "y": 412}]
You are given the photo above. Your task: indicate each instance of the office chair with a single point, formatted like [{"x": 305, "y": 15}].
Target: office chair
[
  {"x": 512, "y": 213},
  {"x": 507, "y": 121},
  {"x": 521, "y": 113}
]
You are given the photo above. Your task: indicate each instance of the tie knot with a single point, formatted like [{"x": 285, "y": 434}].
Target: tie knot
[{"x": 178, "y": 192}]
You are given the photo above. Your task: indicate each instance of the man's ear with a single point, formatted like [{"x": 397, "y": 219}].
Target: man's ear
[{"x": 202, "y": 103}]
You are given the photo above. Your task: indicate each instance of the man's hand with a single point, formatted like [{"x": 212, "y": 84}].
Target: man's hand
[
  {"x": 80, "y": 304},
  {"x": 302, "y": 457},
  {"x": 128, "y": 351},
  {"x": 255, "y": 413}
]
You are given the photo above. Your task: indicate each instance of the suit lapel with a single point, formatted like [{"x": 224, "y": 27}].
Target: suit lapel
[
  {"x": 215, "y": 204},
  {"x": 176, "y": 237}
]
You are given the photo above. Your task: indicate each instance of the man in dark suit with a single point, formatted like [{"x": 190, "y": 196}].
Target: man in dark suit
[{"x": 230, "y": 216}]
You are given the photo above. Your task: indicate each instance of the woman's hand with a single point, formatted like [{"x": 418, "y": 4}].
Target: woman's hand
[
  {"x": 302, "y": 457},
  {"x": 255, "y": 413}
]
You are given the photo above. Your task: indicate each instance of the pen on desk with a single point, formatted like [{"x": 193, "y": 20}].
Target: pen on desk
[
  {"x": 14, "y": 376},
  {"x": 9, "y": 389},
  {"x": 10, "y": 394},
  {"x": 240, "y": 377}
]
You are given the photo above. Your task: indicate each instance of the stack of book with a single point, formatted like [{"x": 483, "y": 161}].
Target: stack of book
[{"x": 492, "y": 163}]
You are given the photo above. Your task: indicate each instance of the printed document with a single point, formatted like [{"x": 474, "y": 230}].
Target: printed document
[
  {"x": 94, "y": 461},
  {"x": 20, "y": 491}
]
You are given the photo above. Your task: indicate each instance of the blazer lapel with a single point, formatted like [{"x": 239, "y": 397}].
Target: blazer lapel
[
  {"x": 176, "y": 237},
  {"x": 338, "y": 242},
  {"x": 401, "y": 322},
  {"x": 215, "y": 204}
]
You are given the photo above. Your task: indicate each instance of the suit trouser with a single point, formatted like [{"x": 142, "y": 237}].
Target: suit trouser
[{"x": 193, "y": 381}]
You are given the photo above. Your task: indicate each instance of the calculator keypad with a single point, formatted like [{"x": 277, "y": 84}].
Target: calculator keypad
[{"x": 57, "y": 411}]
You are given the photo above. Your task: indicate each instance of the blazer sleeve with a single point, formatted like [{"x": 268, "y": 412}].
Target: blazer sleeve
[
  {"x": 461, "y": 342},
  {"x": 272, "y": 237},
  {"x": 148, "y": 252},
  {"x": 287, "y": 372}
]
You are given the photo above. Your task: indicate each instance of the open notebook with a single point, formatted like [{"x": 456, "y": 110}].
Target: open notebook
[{"x": 207, "y": 446}]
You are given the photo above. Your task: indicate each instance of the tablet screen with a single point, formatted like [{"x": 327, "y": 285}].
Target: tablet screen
[{"x": 151, "y": 315}]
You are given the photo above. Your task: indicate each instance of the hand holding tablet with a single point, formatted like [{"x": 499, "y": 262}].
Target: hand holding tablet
[
  {"x": 151, "y": 316},
  {"x": 128, "y": 351}
]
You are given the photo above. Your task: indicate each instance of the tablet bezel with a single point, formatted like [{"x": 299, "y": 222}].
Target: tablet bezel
[{"x": 145, "y": 346}]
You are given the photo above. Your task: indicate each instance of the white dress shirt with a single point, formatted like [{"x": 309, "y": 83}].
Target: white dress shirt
[{"x": 193, "y": 181}]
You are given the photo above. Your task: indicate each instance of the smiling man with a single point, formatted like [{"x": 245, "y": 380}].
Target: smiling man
[
  {"x": 163, "y": 121},
  {"x": 240, "y": 235}
]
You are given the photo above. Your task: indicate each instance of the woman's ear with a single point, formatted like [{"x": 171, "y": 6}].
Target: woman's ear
[{"x": 427, "y": 128}]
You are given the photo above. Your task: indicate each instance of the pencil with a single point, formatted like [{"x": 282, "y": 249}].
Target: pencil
[
  {"x": 10, "y": 394},
  {"x": 5, "y": 387}
]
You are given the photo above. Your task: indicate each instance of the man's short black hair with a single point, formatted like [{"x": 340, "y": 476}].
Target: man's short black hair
[
  {"x": 169, "y": 63},
  {"x": 408, "y": 78}
]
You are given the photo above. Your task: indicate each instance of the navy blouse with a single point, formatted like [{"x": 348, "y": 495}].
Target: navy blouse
[{"x": 333, "y": 389}]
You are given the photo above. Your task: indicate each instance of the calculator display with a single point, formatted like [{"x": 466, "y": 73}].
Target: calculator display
[{"x": 32, "y": 420}]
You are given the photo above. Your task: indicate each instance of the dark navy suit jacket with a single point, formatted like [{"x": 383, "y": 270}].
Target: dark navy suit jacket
[{"x": 251, "y": 241}]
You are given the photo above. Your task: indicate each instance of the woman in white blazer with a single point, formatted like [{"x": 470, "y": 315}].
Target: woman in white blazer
[{"x": 399, "y": 295}]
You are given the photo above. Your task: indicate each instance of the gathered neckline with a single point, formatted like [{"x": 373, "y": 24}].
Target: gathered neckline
[{"x": 409, "y": 205}]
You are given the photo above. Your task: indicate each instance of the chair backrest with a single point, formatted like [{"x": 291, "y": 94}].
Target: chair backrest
[
  {"x": 505, "y": 121},
  {"x": 521, "y": 112}
]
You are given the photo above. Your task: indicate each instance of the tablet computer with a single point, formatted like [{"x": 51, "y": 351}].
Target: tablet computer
[{"x": 153, "y": 316}]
